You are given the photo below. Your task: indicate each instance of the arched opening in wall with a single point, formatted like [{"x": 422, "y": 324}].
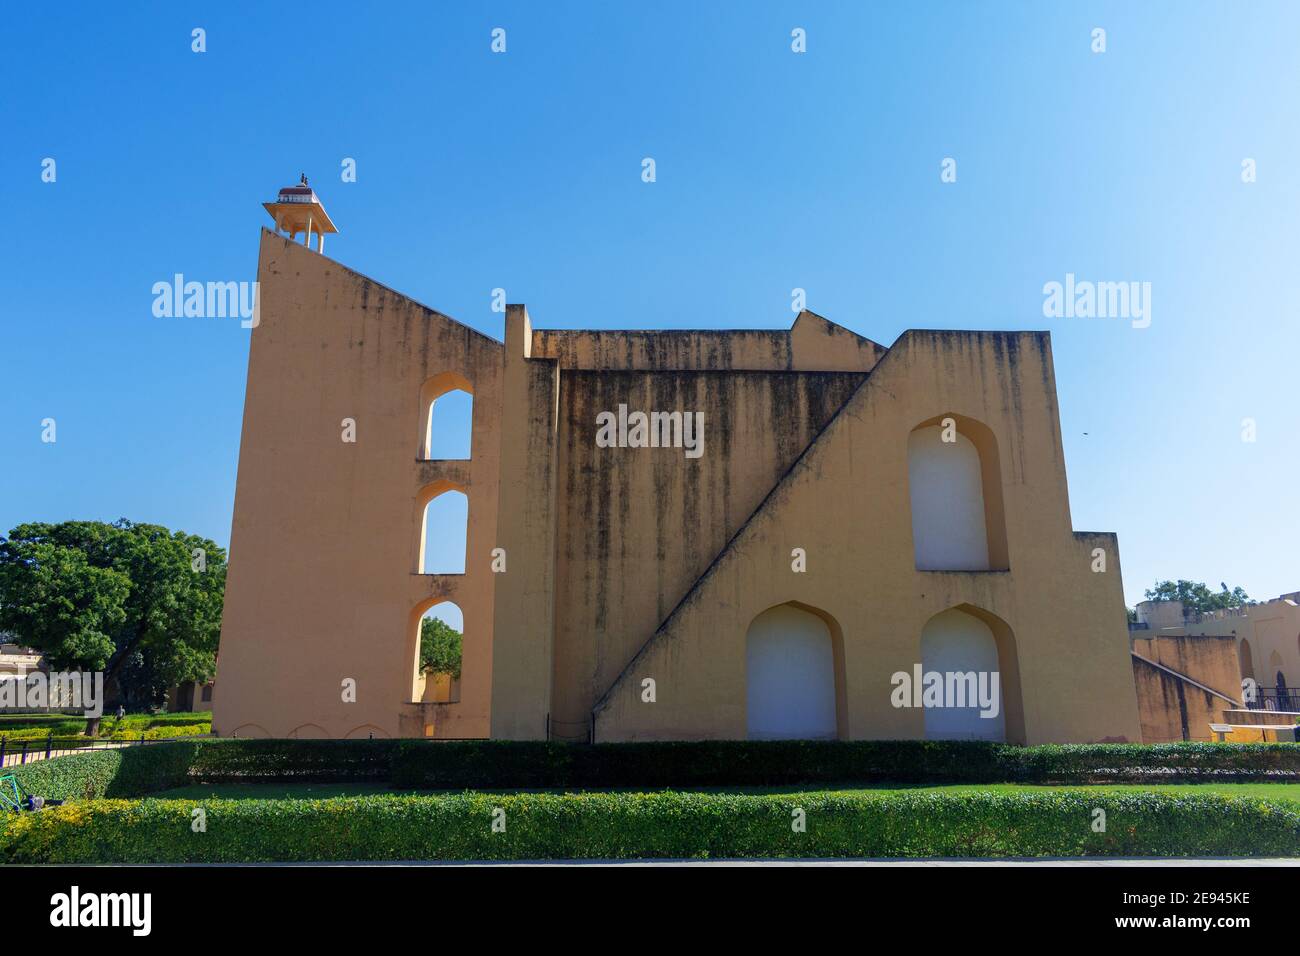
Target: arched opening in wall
[
  {"x": 970, "y": 677},
  {"x": 308, "y": 732},
  {"x": 444, "y": 529},
  {"x": 446, "y": 417},
  {"x": 1282, "y": 698},
  {"x": 794, "y": 675},
  {"x": 954, "y": 478},
  {"x": 1246, "y": 659},
  {"x": 436, "y": 653},
  {"x": 367, "y": 732},
  {"x": 251, "y": 732}
]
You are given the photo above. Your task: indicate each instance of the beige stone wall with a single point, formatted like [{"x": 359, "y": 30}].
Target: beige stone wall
[
  {"x": 322, "y": 585},
  {"x": 1211, "y": 661},
  {"x": 602, "y": 544},
  {"x": 811, "y": 344},
  {"x": 525, "y": 595},
  {"x": 847, "y": 502},
  {"x": 1271, "y": 631},
  {"x": 628, "y": 563},
  {"x": 1267, "y": 635},
  {"x": 1172, "y": 709}
]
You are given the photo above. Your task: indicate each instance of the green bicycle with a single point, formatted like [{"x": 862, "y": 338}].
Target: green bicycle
[{"x": 14, "y": 799}]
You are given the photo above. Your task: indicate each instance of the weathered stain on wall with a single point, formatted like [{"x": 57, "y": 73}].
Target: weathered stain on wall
[
  {"x": 1171, "y": 708},
  {"x": 637, "y": 526}
]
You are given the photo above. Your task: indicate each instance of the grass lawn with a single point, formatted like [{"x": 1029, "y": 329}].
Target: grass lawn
[{"x": 319, "y": 791}]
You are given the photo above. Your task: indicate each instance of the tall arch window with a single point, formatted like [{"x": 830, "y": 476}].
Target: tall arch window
[
  {"x": 963, "y": 651},
  {"x": 790, "y": 676},
  {"x": 447, "y": 434},
  {"x": 1246, "y": 659},
  {"x": 446, "y": 417},
  {"x": 444, "y": 533},
  {"x": 438, "y": 654},
  {"x": 955, "y": 487}
]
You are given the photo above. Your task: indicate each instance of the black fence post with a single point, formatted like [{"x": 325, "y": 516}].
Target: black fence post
[
  {"x": 2, "y": 752},
  {"x": 24, "y": 758},
  {"x": 49, "y": 745}
]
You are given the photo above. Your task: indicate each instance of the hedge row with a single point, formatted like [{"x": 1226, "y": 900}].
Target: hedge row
[
  {"x": 477, "y": 765},
  {"x": 151, "y": 726},
  {"x": 171, "y": 719},
  {"x": 123, "y": 772},
  {"x": 428, "y": 765},
  {"x": 656, "y": 825},
  {"x": 22, "y": 721},
  {"x": 163, "y": 732}
]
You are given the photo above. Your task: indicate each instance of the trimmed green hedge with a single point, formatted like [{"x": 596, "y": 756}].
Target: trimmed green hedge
[
  {"x": 660, "y": 825},
  {"x": 120, "y": 772},
  {"x": 477, "y": 765},
  {"x": 34, "y": 728},
  {"x": 167, "y": 719},
  {"x": 430, "y": 765},
  {"x": 10, "y": 722},
  {"x": 161, "y": 732}
]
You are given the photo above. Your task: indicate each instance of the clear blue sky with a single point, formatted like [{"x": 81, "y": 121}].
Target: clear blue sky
[{"x": 775, "y": 170}]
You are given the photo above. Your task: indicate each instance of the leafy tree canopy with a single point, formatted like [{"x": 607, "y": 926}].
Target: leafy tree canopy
[
  {"x": 440, "y": 647},
  {"x": 138, "y": 601},
  {"x": 1196, "y": 596}
]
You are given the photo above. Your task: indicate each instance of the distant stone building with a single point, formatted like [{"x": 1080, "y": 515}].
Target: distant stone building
[
  {"x": 191, "y": 696},
  {"x": 670, "y": 535},
  {"x": 18, "y": 661},
  {"x": 1236, "y": 667}
]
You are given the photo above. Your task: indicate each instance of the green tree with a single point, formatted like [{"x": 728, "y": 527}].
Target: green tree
[
  {"x": 54, "y": 600},
  {"x": 138, "y": 601},
  {"x": 1196, "y": 596},
  {"x": 440, "y": 645}
]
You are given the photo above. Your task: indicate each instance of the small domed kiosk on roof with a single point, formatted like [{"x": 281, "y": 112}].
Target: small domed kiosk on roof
[{"x": 297, "y": 209}]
